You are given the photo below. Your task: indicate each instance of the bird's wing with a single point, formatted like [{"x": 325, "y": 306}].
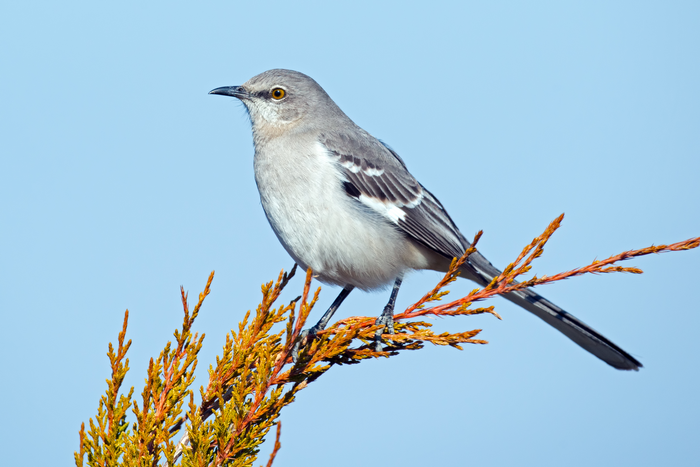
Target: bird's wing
[{"x": 377, "y": 177}]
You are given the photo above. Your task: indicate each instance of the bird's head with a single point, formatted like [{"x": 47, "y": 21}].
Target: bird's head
[{"x": 279, "y": 100}]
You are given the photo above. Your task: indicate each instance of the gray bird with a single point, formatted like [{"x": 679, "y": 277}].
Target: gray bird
[{"x": 344, "y": 204}]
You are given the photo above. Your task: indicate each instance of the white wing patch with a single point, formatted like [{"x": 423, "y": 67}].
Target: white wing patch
[
  {"x": 415, "y": 203},
  {"x": 350, "y": 166},
  {"x": 386, "y": 209},
  {"x": 374, "y": 172},
  {"x": 392, "y": 210},
  {"x": 354, "y": 168}
]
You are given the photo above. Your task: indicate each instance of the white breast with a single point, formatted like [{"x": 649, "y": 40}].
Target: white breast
[{"x": 323, "y": 228}]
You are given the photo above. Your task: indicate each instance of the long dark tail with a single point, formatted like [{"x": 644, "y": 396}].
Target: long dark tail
[{"x": 482, "y": 271}]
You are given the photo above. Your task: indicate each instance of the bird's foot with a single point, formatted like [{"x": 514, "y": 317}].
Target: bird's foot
[
  {"x": 386, "y": 321},
  {"x": 304, "y": 336},
  {"x": 310, "y": 333}
]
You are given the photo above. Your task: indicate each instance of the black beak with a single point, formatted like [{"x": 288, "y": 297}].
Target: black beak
[{"x": 233, "y": 91}]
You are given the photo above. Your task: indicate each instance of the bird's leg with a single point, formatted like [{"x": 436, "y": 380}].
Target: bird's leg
[
  {"x": 321, "y": 325},
  {"x": 386, "y": 319}
]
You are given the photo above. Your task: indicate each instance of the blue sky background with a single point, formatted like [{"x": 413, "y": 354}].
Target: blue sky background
[{"x": 121, "y": 179}]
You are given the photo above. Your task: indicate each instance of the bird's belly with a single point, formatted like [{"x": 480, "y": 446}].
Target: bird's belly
[{"x": 324, "y": 229}]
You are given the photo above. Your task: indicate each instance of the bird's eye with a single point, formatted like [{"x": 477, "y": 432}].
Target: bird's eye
[{"x": 278, "y": 93}]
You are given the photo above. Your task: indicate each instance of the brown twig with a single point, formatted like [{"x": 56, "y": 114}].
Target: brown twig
[
  {"x": 278, "y": 445},
  {"x": 255, "y": 378}
]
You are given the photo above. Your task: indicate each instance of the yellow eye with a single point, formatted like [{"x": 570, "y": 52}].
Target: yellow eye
[{"x": 278, "y": 93}]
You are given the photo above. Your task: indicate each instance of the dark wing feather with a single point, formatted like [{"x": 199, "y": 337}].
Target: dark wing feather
[
  {"x": 382, "y": 182},
  {"x": 378, "y": 178}
]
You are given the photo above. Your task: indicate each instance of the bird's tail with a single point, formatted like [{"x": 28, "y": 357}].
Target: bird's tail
[{"x": 564, "y": 322}]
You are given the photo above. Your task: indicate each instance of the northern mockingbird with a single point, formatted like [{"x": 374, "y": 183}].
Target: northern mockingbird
[{"x": 344, "y": 204}]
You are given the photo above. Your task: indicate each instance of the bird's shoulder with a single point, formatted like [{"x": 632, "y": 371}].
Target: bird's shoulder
[
  {"x": 378, "y": 178},
  {"x": 359, "y": 144}
]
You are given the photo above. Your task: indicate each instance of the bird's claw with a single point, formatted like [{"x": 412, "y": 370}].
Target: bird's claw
[
  {"x": 386, "y": 321},
  {"x": 304, "y": 336}
]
